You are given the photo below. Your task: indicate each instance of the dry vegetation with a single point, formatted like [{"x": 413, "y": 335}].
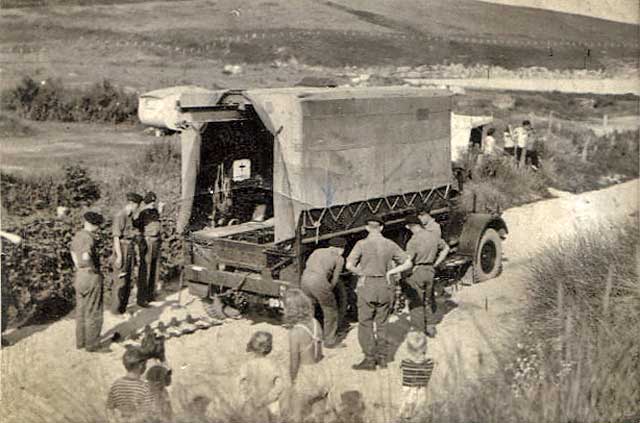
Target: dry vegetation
[{"x": 576, "y": 358}]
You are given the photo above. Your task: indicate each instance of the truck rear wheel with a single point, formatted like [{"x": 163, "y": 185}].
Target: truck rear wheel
[{"x": 488, "y": 261}]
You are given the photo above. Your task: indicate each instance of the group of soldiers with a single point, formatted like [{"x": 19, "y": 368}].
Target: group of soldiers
[
  {"x": 136, "y": 239},
  {"x": 377, "y": 262}
]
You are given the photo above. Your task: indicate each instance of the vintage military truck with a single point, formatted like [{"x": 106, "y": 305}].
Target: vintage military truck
[{"x": 268, "y": 175}]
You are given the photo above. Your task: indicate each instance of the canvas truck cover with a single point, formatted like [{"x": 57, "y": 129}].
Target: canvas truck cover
[{"x": 335, "y": 146}]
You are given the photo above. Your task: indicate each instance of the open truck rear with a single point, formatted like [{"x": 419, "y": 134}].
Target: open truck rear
[{"x": 269, "y": 175}]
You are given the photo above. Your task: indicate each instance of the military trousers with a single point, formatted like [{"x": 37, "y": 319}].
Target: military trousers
[
  {"x": 322, "y": 294},
  {"x": 417, "y": 289},
  {"x": 121, "y": 286},
  {"x": 149, "y": 268},
  {"x": 89, "y": 308},
  {"x": 375, "y": 305}
]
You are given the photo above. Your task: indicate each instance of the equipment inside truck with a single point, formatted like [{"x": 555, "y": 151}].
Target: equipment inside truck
[{"x": 234, "y": 197}]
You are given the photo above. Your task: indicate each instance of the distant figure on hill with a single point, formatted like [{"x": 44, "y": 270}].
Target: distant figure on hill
[
  {"x": 509, "y": 144},
  {"x": 489, "y": 146}
]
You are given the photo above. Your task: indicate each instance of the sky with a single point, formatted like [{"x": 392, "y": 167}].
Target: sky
[{"x": 627, "y": 11}]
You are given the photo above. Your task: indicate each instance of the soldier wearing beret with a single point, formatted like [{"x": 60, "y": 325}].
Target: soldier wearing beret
[
  {"x": 369, "y": 260},
  {"x": 87, "y": 284},
  {"x": 124, "y": 255},
  {"x": 320, "y": 281},
  {"x": 426, "y": 250}
]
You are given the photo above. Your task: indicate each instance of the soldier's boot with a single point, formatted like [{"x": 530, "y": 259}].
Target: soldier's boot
[
  {"x": 382, "y": 361},
  {"x": 366, "y": 364}
]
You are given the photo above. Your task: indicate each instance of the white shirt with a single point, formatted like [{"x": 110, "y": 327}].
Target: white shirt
[
  {"x": 522, "y": 137},
  {"x": 508, "y": 141},
  {"x": 489, "y": 145}
]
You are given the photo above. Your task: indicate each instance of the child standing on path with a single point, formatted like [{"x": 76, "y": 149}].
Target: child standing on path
[
  {"x": 130, "y": 398},
  {"x": 261, "y": 382},
  {"x": 416, "y": 373}
]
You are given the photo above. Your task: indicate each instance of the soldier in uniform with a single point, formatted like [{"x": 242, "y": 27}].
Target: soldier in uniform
[
  {"x": 430, "y": 225},
  {"x": 426, "y": 250},
  {"x": 88, "y": 285},
  {"x": 123, "y": 256},
  {"x": 428, "y": 222},
  {"x": 319, "y": 281},
  {"x": 148, "y": 223},
  {"x": 370, "y": 260}
]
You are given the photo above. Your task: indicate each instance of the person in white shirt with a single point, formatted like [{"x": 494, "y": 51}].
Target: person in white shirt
[
  {"x": 509, "y": 145},
  {"x": 522, "y": 139},
  {"x": 489, "y": 146}
]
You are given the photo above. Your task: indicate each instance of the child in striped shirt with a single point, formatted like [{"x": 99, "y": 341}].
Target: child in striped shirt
[
  {"x": 416, "y": 373},
  {"x": 130, "y": 398}
]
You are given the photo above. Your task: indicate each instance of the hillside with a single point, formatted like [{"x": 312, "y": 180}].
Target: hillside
[{"x": 148, "y": 45}]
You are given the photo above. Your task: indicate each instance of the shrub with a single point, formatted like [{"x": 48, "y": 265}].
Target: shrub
[
  {"x": 24, "y": 196},
  {"x": 51, "y": 100},
  {"x": 13, "y": 127}
]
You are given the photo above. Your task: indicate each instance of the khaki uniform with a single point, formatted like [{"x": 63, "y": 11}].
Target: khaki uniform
[
  {"x": 374, "y": 256},
  {"x": 423, "y": 249},
  {"x": 121, "y": 288},
  {"x": 88, "y": 287},
  {"x": 148, "y": 223},
  {"x": 319, "y": 279}
]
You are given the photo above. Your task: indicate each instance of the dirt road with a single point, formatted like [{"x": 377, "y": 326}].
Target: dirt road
[
  {"x": 45, "y": 379},
  {"x": 579, "y": 86}
]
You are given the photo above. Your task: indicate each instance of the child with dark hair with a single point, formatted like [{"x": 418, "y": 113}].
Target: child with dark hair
[
  {"x": 159, "y": 377},
  {"x": 261, "y": 382},
  {"x": 130, "y": 397},
  {"x": 352, "y": 408}
]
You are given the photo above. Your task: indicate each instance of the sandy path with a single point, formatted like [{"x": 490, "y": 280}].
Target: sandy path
[{"x": 45, "y": 379}]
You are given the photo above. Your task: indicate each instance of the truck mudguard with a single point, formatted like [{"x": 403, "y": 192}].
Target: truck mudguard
[{"x": 474, "y": 227}]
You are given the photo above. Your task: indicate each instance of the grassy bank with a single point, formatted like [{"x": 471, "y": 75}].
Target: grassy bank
[{"x": 576, "y": 357}]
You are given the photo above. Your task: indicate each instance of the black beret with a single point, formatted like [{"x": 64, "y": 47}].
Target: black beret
[
  {"x": 338, "y": 242},
  {"x": 375, "y": 219},
  {"x": 412, "y": 220},
  {"x": 150, "y": 197},
  {"x": 133, "y": 197},
  {"x": 94, "y": 218}
]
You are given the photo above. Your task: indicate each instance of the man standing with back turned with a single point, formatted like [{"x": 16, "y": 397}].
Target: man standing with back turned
[
  {"x": 124, "y": 254},
  {"x": 87, "y": 284},
  {"x": 369, "y": 260},
  {"x": 319, "y": 279},
  {"x": 423, "y": 248}
]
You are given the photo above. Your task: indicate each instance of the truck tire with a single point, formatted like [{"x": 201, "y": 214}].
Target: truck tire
[{"x": 488, "y": 261}]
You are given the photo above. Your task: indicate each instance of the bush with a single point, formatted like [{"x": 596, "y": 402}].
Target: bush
[
  {"x": 499, "y": 183},
  {"x": 51, "y": 100},
  {"x": 24, "y": 196},
  {"x": 12, "y": 127}
]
